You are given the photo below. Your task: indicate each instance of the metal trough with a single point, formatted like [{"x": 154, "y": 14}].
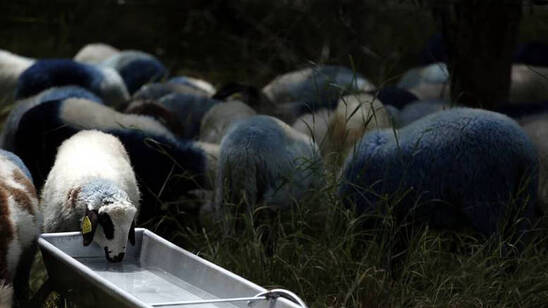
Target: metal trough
[{"x": 154, "y": 273}]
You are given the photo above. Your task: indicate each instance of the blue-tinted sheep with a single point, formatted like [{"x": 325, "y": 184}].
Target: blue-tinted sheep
[
  {"x": 319, "y": 86},
  {"x": 155, "y": 91},
  {"x": 263, "y": 160},
  {"x": 136, "y": 68},
  {"x": 195, "y": 83},
  {"x": 394, "y": 96},
  {"x": 427, "y": 82},
  {"x": 460, "y": 166},
  {"x": 166, "y": 167},
  {"x": 420, "y": 109},
  {"x": 189, "y": 110},
  {"x": 45, "y": 74},
  {"x": 22, "y": 106}
]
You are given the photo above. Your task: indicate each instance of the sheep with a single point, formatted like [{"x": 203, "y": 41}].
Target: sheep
[
  {"x": 159, "y": 112},
  {"x": 20, "y": 226},
  {"x": 355, "y": 115},
  {"x": 262, "y": 159},
  {"x": 218, "y": 119},
  {"x": 256, "y": 99},
  {"x": 92, "y": 188},
  {"x": 11, "y": 67},
  {"x": 22, "y": 106},
  {"x": 189, "y": 110},
  {"x": 528, "y": 83},
  {"x": 314, "y": 125},
  {"x": 155, "y": 91},
  {"x": 95, "y": 53},
  {"x": 320, "y": 85},
  {"x": 419, "y": 109},
  {"x": 167, "y": 167},
  {"x": 195, "y": 83},
  {"x": 461, "y": 167},
  {"x": 136, "y": 68},
  {"x": 394, "y": 96},
  {"x": 44, "y": 74},
  {"x": 428, "y": 82}
]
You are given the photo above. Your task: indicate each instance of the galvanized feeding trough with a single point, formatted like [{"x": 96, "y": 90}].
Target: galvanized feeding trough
[{"x": 154, "y": 273}]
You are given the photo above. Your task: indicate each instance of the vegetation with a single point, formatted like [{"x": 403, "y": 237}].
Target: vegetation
[{"x": 318, "y": 249}]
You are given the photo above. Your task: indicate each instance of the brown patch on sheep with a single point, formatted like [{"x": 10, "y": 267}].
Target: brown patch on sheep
[
  {"x": 20, "y": 178},
  {"x": 7, "y": 231},
  {"x": 21, "y": 197},
  {"x": 72, "y": 196}
]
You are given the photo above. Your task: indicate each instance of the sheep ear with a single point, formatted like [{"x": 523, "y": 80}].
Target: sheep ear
[
  {"x": 131, "y": 235},
  {"x": 89, "y": 225}
]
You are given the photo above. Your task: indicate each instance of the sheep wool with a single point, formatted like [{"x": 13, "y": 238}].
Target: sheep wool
[
  {"x": 20, "y": 226},
  {"x": 263, "y": 159},
  {"x": 44, "y": 74},
  {"x": 458, "y": 167},
  {"x": 92, "y": 179},
  {"x": 11, "y": 67},
  {"x": 167, "y": 167},
  {"x": 95, "y": 53}
]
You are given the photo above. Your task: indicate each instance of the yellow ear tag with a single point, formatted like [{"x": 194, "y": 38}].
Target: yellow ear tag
[{"x": 86, "y": 225}]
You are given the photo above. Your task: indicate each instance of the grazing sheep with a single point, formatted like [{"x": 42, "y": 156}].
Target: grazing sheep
[
  {"x": 136, "y": 68},
  {"x": 459, "y": 166},
  {"x": 189, "y": 110},
  {"x": 419, "y": 109},
  {"x": 167, "y": 167},
  {"x": 92, "y": 188},
  {"x": 355, "y": 115},
  {"x": 262, "y": 159},
  {"x": 314, "y": 125},
  {"x": 158, "y": 112},
  {"x": 196, "y": 83},
  {"x": 394, "y": 96},
  {"x": 22, "y": 106},
  {"x": 45, "y": 74},
  {"x": 11, "y": 67},
  {"x": 428, "y": 82},
  {"x": 155, "y": 91},
  {"x": 95, "y": 53},
  {"x": 320, "y": 85},
  {"x": 528, "y": 83},
  {"x": 20, "y": 226},
  {"x": 218, "y": 119}
]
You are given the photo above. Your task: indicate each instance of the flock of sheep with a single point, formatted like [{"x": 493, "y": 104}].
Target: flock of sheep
[{"x": 98, "y": 143}]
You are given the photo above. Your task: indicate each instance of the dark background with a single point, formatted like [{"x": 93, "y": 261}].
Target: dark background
[{"x": 242, "y": 40}]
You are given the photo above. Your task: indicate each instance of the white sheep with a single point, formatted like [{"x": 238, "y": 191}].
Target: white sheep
[
  {"x": 95, "y": 53},
  {"x": 20, "y": 226},
  {"x": 220, "y": 117},
  {"x": 92, "y": 188},
  {"x": 11, "y": 66},
  {"x": 314, "y": 125},
  {"x": 355, "y": 115}
]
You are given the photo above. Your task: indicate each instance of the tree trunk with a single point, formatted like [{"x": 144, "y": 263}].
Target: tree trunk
[{"x": 480, "y": 36}]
